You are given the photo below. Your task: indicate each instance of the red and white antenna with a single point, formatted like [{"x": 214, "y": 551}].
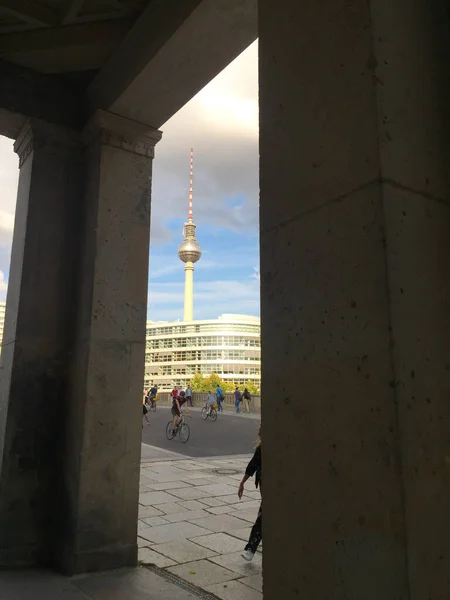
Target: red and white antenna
[{"x": 190, "y": 184}]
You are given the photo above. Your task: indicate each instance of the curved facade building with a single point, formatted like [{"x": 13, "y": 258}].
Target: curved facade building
[{"x": 229, "y": 346}]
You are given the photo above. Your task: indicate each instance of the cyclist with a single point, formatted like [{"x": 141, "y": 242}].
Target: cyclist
[
  {"x": 210, "y": 401},
  {"x": 152, "y": 395},
  {"x": 177, "y": 403}
]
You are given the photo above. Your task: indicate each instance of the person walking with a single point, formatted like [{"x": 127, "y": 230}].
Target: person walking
[
  {"x": 237, "y": 399},
  {"x": 189, "y": 395},
  {"x": 219, "y": 396},
  {"x": 247, "y": 397},
  {"x": 254, "y": 467},
  {"x": 174, "y": 393},
  {"x": 144, "y": 408}
]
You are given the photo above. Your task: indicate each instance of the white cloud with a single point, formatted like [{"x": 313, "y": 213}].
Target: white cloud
[
  {"x": 3, "y": 287},
  {"x": 211, "y": 299},
  {"x": 221, "y": 124},
  {"x": 9, "y": 175}
]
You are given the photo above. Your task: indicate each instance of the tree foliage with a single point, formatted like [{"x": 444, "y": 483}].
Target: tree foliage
[{"x": 200, "y": 383}]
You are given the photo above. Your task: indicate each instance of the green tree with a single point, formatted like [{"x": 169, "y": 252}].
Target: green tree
[
  {"x": 199, "y": 383},
  {"x": 251, "y": 387}
]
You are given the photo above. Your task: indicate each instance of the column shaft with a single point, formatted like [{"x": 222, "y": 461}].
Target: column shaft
[
  {"x": 101, "y": 475},
  {"x": 37, "y": 340},
  {"x": 355, "y": 257}
]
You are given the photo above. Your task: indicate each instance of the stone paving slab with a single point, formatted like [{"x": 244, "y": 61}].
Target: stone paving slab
[
  {"x": 183, "y": 551},
  {"x": 203, "y": 495},
  {"x": 234, "y": 590},
  {"x": 218, "y": 523},
  {"x": 222, "y": 543},
  {"x": 202, "y": 573},
  {"x": 122, "y": 584},
  {"x": 254, "y": 581}
]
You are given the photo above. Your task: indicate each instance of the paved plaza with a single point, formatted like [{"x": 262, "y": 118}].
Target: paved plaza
[
  {"x": 193, "y": 526},
  {"x": 191, "y": 532}
]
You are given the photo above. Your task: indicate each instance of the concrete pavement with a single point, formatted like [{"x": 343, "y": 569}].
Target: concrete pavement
[
  {"x": 191, "y": 531},
  {"x": 192, "y": 524}
]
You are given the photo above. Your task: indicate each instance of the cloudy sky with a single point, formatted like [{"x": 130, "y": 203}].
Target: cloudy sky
[{"x": 221, "y": 124}]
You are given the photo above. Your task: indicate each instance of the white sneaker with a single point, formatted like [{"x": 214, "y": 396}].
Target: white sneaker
[{"x": 247, "y": 555}]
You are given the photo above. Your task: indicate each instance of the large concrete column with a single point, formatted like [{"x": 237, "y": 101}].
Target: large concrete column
[
  {"x": 104, "y": 409},
  {"x": 36, "y": 340},
  {"x": 355, "y": 262}
]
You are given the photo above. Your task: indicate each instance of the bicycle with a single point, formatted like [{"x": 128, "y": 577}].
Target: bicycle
[
  {"x": 152, "y": 406},
  {"x": 212, "y": 412},
  {"x": 182, "y": 430}
]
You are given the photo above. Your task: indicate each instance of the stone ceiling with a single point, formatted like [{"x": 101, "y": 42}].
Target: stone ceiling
[{"x": 64, "y": 36}]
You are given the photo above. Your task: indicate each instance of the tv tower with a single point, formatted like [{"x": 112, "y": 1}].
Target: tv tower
[{"x": 189, "y": 252}]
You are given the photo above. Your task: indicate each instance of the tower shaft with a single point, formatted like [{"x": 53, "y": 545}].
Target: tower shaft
[{"x": 189, "y": 292}]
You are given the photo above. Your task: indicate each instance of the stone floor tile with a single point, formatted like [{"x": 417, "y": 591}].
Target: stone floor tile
[
  {"x": 144, "y": 480},
  {"x": 169, "y": 508},
  {"x": 37, "y": 585},
  {"x": 217, "y": 489},
  {"x": 213, "y": 501},
  {"x": 148, "y": 556},
  {"x": 182, "y": 551},
  {"x": 248, "y": 514},
  {"x": 192, "y": 505},
  {"x": 231, "y": 498},
  {"x": 196, "y": 481},
  {"x": 219, "y": 523},
  {"x": 202, "y": 573},
  {"x": 242, "y": 534},
  {"x": 148, "y": 511},
  {"x": 252, "y": 504},
  {"x": 127, "y": 584},
  {"x": 166, "y": 485},
  {"x": 234, "y": 590},
  {"x": 190, "y": 493},
  {"x": 254, "y": 581},
  {"x": 234, "y": 562},
  {"x": 253, "y": 495},
  {"x": 221, "y": 543},
  {"x": 155, "y": 521},
  {"x": 152, "y": 498},
  {"x": 142, "y": 542},
  {"x": 173, "y": 531},
  {"x": 219, "y": 510},
  {"x": 187, "y": 515}
]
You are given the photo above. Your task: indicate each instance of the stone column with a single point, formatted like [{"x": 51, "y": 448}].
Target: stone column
[
  {"x": 103, "y": 421},
  {"x": 355, "y": 262},
  {"x": 37, "y": 338}
]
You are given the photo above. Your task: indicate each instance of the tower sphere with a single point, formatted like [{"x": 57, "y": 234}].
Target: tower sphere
[{"x": 189, "y": 250}]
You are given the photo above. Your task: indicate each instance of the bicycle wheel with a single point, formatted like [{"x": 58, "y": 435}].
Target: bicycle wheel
[
  {"x": 169, "y": 431},
  {"x": 185, "y": 432},
  {"x": 213, "y": 414},
  {"x": 204, "y": 413},
  {"x": 153, "y": 408}
]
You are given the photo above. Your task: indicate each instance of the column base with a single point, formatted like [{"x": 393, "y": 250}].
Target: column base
[
  {"x": 101, "y": 559},
  {"x": 24, "y": 557}
]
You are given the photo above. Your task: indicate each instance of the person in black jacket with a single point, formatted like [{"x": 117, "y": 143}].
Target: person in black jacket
[{"x": 253, "y": 468}]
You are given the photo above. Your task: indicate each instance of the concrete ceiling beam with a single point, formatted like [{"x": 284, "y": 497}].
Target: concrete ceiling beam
[
  {"x": 25, "y": 93},
  {"x": 29, "y": 12},
  {"x": 173, "y": 50}
]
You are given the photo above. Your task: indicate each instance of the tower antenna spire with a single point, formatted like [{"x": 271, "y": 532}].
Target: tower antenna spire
[
  {"x": 189, "y": 252},
  {"x": 191, "y": 177}
]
